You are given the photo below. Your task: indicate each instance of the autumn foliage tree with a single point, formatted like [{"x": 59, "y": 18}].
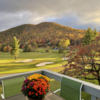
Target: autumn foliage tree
[
  {"x": 84, "y": 61},
  {"x": 15, "y": 48},
  {"x": 7, "y": 48},
  {"x": 63, "y": 44},
  {"x": 28, "y": 48}
]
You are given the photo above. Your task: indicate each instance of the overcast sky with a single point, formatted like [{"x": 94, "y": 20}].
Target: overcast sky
[{"x": 75, "y": 13}]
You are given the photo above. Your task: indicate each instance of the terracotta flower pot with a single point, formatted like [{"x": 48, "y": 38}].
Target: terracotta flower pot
[{"x": 34, "y": 98}]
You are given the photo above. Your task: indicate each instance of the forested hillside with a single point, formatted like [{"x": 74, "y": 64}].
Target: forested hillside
[{"x": 43, "y": 34}]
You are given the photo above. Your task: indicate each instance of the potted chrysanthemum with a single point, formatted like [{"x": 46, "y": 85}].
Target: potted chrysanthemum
[{"x": 35, "y": 87}]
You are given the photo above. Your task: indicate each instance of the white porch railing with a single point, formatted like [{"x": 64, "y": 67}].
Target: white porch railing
[{"x": 93, "y": 90}]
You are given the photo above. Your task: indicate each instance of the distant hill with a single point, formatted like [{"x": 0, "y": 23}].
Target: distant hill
[{"x": 43, "y": 33}]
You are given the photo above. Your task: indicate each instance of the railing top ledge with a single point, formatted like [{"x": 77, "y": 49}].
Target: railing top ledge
[
  {"x": 19, "y": 75},
  {"x": 58, "y": 76},
  {"x": 87, "y": 87}
]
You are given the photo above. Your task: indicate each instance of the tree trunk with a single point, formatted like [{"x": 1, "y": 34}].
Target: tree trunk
[
  {"x": 99, "y": 82},
  {"x": 15, "y": 57}
]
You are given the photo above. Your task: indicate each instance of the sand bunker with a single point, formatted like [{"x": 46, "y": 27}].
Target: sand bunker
[
  {"x": 44, "y": 63},
  {"x": 26, "y": 60},
  {"x": 65, "y": 58}
]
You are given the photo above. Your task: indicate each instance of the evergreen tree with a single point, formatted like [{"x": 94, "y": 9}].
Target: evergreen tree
[
  {"x": 15, "y": 48},
  {"x": 34, "y": 44},
  {"x": 89, "y": 36},
  {"x": 95, "y": 33}
]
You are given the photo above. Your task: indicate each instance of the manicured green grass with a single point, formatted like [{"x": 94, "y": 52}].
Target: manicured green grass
[
  {"x": 12, "y": 86},
  {"x": 8, "y": 65}
]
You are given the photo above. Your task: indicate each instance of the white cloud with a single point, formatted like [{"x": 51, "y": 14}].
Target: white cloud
[{"x": 16, "y": 12}]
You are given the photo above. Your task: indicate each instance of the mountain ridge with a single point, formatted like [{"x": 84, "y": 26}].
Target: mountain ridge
[{"x": 24, "y": 25}]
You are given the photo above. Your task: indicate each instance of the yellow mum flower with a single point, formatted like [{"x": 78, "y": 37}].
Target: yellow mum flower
[{"x": 37, "y": 76}]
